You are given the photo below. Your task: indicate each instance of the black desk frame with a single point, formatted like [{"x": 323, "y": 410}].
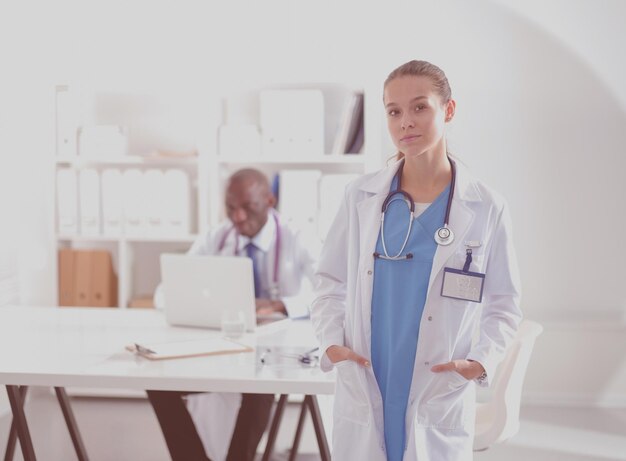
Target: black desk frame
[{"x": 19, "y": 427}]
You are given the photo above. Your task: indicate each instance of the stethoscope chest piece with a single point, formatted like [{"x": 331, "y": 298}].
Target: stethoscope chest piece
[{"x": 444, "y": 236}]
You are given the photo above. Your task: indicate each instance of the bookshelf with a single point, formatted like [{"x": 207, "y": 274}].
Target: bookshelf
[{"x": 206, "y": 165}]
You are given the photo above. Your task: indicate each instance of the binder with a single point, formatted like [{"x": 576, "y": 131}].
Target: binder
[
  {"x": 103, "y": 288},
  {"x": 341, "y": 138},
  {"x": 87, "y": 278},
  {"x": 154, "y": 193},
  {"x": 66, "y": 277},
  {"x": 300, "y": 208},
  {"x": 350, "y": 134},
  {"x": 112, "y": 202},
  {"x": 89, "y": 199},
  {"x": 175, "y": 204},
  {"x": 188, "y": 348},
  {"x": 82, "y": 277},
  {"x": 356, "y": 131},
  {"x": 134, "y": 213}
]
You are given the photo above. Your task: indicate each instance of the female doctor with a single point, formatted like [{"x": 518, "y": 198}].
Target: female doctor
[{"x": 417, "y": 260}]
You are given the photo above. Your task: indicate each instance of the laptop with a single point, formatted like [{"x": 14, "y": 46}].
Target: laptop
[{"x": 197, "y": 289}]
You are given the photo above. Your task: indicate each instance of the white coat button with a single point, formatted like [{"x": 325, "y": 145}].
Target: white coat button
[
  {"x": 430, "y": 318},
  {"x": 369, "y": 272},
  {"x": 426, "y": 363}
]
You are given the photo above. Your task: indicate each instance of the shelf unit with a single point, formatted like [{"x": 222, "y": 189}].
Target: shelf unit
[
  {"x": 125, "y": 248},
  {"x": 136, "y": 257}
]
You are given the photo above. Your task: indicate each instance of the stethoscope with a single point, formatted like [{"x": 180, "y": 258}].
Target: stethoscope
[
  {"x": 443, "y": 236},
  {"x": 305, "y": 358},
  {"x": 274, "y": 290}
]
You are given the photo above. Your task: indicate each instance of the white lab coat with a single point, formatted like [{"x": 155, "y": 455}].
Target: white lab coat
[
  {"x": 215, "y": 414},
  {"x": 441, "y": 406}
]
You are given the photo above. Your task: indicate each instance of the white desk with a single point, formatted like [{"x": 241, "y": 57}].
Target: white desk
[{"x": 84, "y": 347}]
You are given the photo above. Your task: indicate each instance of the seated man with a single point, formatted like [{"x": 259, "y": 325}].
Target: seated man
[{"x": 256, "y": 231}]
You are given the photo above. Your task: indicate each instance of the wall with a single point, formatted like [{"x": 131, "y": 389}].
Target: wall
[{"x": 541, "y": 111}]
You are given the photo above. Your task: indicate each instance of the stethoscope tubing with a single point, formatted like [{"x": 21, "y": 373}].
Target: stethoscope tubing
[{"x": 448, "y": 236}]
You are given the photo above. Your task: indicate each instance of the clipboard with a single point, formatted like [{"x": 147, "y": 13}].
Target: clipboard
[{"x": 188, "y": 348}]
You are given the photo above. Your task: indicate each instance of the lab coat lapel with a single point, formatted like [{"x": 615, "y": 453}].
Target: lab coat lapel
[
  {"x": 369, "y": 210},
  {"x": 461, "y": 218}
]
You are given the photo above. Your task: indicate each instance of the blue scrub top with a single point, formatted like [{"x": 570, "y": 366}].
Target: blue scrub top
[{"x": 398, "y": 298}]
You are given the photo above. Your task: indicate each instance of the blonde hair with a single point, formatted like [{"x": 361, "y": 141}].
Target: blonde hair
[{"x": 417, "y": 68}]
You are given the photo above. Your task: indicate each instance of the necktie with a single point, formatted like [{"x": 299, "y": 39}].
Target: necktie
[{"x": 252, "y": 253}]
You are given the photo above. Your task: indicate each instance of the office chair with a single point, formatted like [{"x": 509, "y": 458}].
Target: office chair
[{"x": 498, "y": 419}]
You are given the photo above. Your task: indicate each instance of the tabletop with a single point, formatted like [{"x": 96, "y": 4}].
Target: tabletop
[{"x": 85, "y": 347}]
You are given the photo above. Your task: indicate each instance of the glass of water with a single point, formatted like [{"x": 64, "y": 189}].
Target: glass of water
[{"x": 233, "y": 323}]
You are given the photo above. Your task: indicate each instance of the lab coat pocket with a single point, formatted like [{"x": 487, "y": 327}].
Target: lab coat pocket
[
  {"x": 445, "y": 402},
  {"x": 350, "y": 397}
]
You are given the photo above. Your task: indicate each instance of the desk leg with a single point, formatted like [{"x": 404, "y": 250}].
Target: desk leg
[
  {"x": 271, "y": 437},
  {"x": 19, "y": 418},
  {"x": 11, "y": 442},
  {"x": 316, "y": 416},
  {"x": 296, "y": 439},
  {"x": 70, "y": 421}
]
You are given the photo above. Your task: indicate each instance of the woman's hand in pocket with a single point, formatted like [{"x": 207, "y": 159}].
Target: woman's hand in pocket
[
  {"x": 469, "y": 369},
  {"x": 341, "y": 353}
]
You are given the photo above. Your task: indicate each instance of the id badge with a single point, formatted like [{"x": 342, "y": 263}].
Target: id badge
[{"x": 459, "y": 284}]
